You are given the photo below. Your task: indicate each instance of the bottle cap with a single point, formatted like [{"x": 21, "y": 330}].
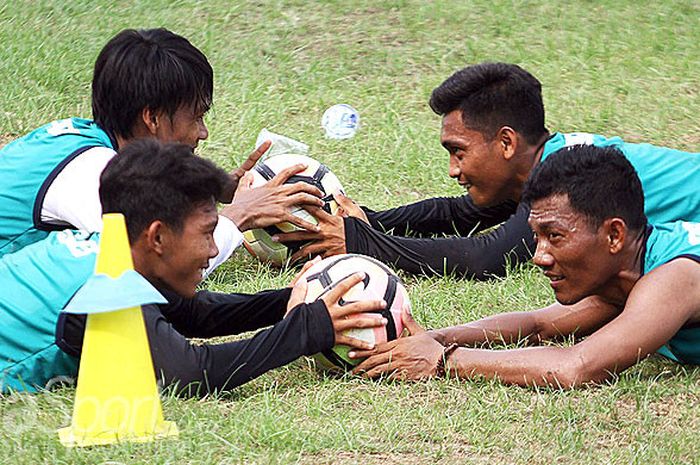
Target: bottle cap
[{"x": 340, "y": 121}]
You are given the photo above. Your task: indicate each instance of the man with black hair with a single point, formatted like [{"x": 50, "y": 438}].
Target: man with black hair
[
  {"x": 493, "y": 126},
  {"x": 631, "y": 289},
  {"x": 146, "y": 83},
  {"x": 167, "y": 195}
]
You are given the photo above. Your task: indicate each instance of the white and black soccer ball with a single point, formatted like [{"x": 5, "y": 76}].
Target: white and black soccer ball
[
  {"x": 259, "y": 241},
  {"x": 380, "y": 283}
]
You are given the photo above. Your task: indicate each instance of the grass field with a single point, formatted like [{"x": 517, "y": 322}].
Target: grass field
[{"x": 610, "y": 67}]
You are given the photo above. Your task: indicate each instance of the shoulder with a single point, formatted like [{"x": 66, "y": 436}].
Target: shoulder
[
  {"x": 60, "y": 138},
  {"x": 669, "y": 241},
  {"x": 56, "y": 264},
  {"x": 559, "y": 140}
]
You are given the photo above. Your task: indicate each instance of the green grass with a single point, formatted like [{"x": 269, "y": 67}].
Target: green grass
[{"x": 611, "y": 67}]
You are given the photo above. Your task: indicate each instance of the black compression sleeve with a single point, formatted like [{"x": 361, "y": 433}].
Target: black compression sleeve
[
  {"x": 478, "y": 257},
  {"x": 200, "y": 369},
  {"x": 441, "y": 215},
  {"x": 207, "y": 314},
  {"x": 210, "y": 314}
]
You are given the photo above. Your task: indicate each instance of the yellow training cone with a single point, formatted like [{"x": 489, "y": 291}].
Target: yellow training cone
[{"x": 117, "y": 398}]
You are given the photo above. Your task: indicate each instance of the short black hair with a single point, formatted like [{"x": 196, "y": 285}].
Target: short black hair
[
  {"x": 493, "y": 95},
  {"x": 599, "y": 182},
  {"x": 148, "y": 68},
  {"x": 149, "y": 180}
]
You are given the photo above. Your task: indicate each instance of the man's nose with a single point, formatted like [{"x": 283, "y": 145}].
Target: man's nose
[
  {"x": 203, "y": 131},
  {"x": 213, "y": 249},
  {"x": 454, "y": 170},
  {"x": 542, "y": 258}
]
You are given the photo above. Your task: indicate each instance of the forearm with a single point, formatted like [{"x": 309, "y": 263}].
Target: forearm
[
  {"x": 427, "y": 217},
  {"x": 210, "y": 314},
  {"x": 241, "y": 216},
  {"x": 216, "y": 367},
  {"x": 478, "y": 257},
  {"x": 441, "y": 215},
  {"x": 505, "y": 328},
  {"x": 550, "y": 323},
  {"x": 204, "y": 368},
  {"x": 558, "y": 367}
]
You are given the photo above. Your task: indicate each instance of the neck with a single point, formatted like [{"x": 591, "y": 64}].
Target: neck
[
  {"x": 619, "y": 287},
  {"x": 539, "y": 149},
  {"x": 528, "y": 159},
  {"x": 142, "y": 264},
  {"x": 138, "y": 131},
  {"x": 121, "y": 142}
]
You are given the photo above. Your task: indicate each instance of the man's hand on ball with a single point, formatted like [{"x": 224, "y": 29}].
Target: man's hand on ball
[
  {"x": 348, "y": 316},
  {"x": 236, "y": 175},
  {"x": 272, "y": 203},
  {"x": 349, "y": 207},
  {"x": 407, "y": 358},
  {"x": 410, "y": 326},
  {"x": 299, "y": 287},
  {"x": 328, "y": 239}
]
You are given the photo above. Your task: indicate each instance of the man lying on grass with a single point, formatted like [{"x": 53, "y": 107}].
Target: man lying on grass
[
  {"x": 493, "y": 126},
  {"x": 626, "y": 287},
  {"x": 167, "y": 197}
]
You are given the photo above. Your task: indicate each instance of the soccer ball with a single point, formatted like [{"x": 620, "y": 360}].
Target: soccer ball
[
  {"x": 379, "y": 283},
  {"x": 259, "y": 241}
]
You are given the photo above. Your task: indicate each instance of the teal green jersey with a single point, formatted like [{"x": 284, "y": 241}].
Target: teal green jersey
[
  {"x": 36, "y": 284},
  {"x": 670, "y": 178},
  {"x": 28, "y": 166},
  {"x": 666, "y": 242}
]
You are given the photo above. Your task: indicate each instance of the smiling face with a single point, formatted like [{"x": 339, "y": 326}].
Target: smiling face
[
  {"x": 575, "y": 256},
  {"x": 186, "y": 126},
  {"x": 185, "y": 254},
  {"x": 476, "y": 163}
]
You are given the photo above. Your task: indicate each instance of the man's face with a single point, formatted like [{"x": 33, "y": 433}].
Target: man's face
[
  {"x": 186, "y": 253},
  {"x": 572, "y": 254},
  {"x": 186, "y": 126},
  {"x": 476, "y": 163}
]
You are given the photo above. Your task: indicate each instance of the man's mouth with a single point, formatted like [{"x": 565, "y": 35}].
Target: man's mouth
[
  {"x": 554, "y": 279},
  {"x": 466, "y": 185}
]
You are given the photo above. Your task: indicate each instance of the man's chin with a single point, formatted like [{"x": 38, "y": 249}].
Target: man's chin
[
  {"x": 567, "y": 299},
  {"x": 480, "y": 200},
  {"x": 184, "y": 291}
]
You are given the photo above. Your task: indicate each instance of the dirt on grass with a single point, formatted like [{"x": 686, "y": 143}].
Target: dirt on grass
[{"x": 438, "y": 457}]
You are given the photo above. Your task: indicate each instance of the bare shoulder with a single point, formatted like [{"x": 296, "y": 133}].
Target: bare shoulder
[{"x": 676, "y": 284}]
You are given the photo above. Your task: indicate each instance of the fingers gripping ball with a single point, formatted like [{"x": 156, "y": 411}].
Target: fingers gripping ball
[
  {"x": 259, "y": 241},
  {"x": 379, "y": 283}
]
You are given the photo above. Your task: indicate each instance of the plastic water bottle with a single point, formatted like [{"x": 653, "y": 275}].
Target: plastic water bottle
[{"x": 340, "y": 121}]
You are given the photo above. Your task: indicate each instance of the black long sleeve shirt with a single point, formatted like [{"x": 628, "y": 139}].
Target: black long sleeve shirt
[
  {"x": 479, "y": 256},
  {"x": 200, "y": 369}
]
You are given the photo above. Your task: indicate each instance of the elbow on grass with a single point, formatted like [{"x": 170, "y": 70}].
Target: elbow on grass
[{"x": 573, "y": 371}]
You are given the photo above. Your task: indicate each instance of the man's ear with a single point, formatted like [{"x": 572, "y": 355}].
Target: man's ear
[
  {"x": 507, "y": 140},
  {"x": 616, "y": 234},
  {"x": 156, "y": 236},
  {"x": 151, "y": 119}
]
